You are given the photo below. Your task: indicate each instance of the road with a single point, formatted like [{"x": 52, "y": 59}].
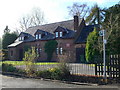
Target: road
[{"x": 14, "y": 82}]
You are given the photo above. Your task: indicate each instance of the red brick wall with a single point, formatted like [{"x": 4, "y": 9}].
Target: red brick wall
[{"x": 69, "y": 49}]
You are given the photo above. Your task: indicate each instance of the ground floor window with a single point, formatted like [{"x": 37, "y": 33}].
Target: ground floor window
[
  {"x": 59, "y": 50},
  {"x": 11, "y": 53},
  {"x": 38, "y": 51}
]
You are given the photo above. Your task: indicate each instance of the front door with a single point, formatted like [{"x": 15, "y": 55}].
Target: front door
[{"x": 80, "y": 55}]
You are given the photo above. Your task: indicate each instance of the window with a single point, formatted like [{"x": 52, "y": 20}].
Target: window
[
  {"x": 36, "y": 36},
  {"x": 37, "y": 50},
  {"x": 40, "y": 50},
  {"x": 56, "y": 34},
  {"x": 22, "y": 38},
  {"x": 61, "y": 51},
  {"x": 19, "y": 38},
  {"x": 11, "y": 53},
  {"x": 60, "y": 34},
  {"x": 57, "y": 51},
  {"x": 39, "y": 36}
]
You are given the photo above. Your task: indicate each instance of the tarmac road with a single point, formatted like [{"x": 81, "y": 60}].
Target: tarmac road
[{"x": 14, "y": 82}]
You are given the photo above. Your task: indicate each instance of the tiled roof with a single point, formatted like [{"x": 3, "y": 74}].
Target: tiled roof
[
  {"x": 30, "y": 37},
  {"x": 51, "y": 27},
  {"x": 40, "y": 31},
  {"x": 84, "y": 33},
  {"x": 59, "y": 28},
  {"x": 69, "y": 34}
]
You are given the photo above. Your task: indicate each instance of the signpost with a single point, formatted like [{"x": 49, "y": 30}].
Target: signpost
[{"x": 102, "y": 33}]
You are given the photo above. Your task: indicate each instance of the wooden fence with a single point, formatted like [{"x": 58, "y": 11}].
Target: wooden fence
[{"x": 112, "y": 67}]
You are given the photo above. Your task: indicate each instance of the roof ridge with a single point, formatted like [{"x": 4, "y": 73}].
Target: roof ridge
[{"x": 51, "y": 23}]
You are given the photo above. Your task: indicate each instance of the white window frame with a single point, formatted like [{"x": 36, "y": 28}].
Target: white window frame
[
  {"x": 61, "y": 34},
  {"x": 36, "y": 36},
  {"x": 37, "y": 50},
  {"x": 61, "y": 51},
  {"x": 22, "y": 38},
  {"x": 40, "y": 50},
  {"x": 39, "y": 36},
  {"x": 56, "y": 34}
]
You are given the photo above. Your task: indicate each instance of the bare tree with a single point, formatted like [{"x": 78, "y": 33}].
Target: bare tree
[
  {"x": 25, "y": 22},
  {"x": 36, "y": 17},
  {"x": 80, "y": 10}
]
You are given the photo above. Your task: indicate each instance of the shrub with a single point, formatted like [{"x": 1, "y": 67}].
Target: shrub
[
  {"x": 29, "y": 60},
  {"x": 20, "y": 71},
  {"x": 50, "y": 47},
  {"x": 65, "y": 73},
  {"x": 4, "y": 54},
  {"x": 60, "y": 73},
  {"x": 56, "y": 73},
  {"x": 43, "y": 74},
  {"x": 8, "y": 68}
]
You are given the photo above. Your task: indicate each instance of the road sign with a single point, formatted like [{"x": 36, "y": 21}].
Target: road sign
[{"x": 105, "y": 41}]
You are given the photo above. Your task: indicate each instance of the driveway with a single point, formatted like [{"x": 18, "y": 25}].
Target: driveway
[{"x": 14, "y": 82}]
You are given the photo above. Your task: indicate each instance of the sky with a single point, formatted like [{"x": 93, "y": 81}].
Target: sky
[{"x": 54, "y": 10}]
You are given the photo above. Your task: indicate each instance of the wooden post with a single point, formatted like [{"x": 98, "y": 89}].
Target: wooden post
[
  {"x": 119, "y": 65},
  {"x": 95, "y": 68},
  {"x": 110, "y": 69}
]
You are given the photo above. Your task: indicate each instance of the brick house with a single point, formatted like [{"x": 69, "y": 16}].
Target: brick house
[{"x": 71, "y": 36}]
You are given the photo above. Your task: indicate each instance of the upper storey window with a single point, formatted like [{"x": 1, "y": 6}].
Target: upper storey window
[
  {"x": 39, "y": 36},
  {"x": 56, "y": 34},
  {"x": 21, "y": 38},
  {"x": 36, "y": 36},
  {"x": 60, "y": 34}
]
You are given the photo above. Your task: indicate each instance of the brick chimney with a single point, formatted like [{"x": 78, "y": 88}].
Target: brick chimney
[{"x": 76, "y": 22}]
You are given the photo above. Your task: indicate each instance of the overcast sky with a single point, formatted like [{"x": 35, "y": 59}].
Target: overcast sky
[{"x": 55, "y": 10}]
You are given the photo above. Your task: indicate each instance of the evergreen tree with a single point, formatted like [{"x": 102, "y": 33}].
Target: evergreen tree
[
  {"x": 7, "y": 39},
  {"x": 112, "y": 26},
  {"x": 96, "y": 15},
  {"x": 92, "y": 46},
  {"x": 50, "y": 47}
]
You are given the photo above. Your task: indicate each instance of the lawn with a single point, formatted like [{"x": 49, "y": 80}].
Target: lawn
[{"x": 15, "y": 63}]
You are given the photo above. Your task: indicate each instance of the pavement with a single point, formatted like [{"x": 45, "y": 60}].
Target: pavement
[{"x": 14, "y": 82}]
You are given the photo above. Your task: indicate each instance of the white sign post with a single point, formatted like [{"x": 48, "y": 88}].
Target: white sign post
[{"x": 102, "y": 33}]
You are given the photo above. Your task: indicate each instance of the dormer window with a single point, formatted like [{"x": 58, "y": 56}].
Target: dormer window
[
  {"x": 22, "y": 38},
  {"x": 60, "y": 34},
  {"x": 36, "y": 36},
  {"x": 56, "y": 34},
  {"x": 39, "y": 36},
  {"x": 19, "y": 38}
]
